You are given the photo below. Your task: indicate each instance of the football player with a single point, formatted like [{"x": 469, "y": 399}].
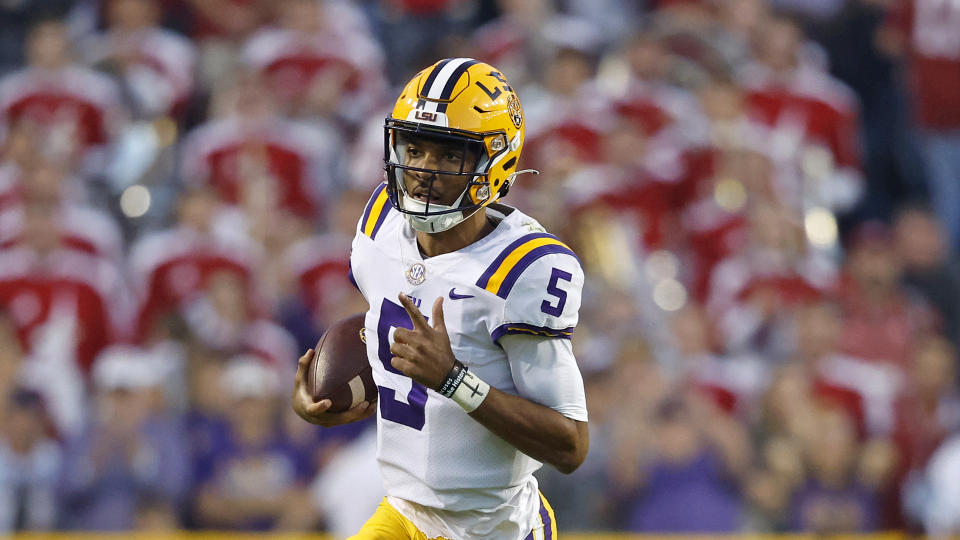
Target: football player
[{"x": 472, "y": 306}]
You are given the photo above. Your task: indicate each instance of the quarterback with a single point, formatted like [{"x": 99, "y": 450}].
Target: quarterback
[{"x": 472, "y": 306}]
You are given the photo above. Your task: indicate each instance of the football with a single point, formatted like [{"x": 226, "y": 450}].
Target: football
[{"x": 339, "y": 370}]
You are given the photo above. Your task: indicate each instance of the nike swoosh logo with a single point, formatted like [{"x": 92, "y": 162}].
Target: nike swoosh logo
[{"x": 455, "y": 296}]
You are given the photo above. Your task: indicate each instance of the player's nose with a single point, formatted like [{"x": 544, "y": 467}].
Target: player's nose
[{"x": 428, "y": 161}]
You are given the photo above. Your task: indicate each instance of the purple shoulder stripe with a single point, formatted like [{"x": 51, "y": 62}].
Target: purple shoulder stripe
[
  {"x": 492, "y": 269},
  {"x": 369, "y": 210},
  {"x": 514, "y": 274}
]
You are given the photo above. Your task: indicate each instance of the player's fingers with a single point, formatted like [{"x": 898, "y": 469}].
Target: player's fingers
[
  {"x": 302, "y": 366},
  {"x": 403, "y": 349},
  {"x": 438, "y": 323},
  {"x": 361, "y": 410},
  {"x": 402, "y": 335},
  {"x": 318, "y": 408},
  {"x": 419, "y": 321},
  {"x": 400, "y": 364}
]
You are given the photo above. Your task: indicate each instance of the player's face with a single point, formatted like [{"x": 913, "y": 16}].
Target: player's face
[{"x": 437, "y": 155}]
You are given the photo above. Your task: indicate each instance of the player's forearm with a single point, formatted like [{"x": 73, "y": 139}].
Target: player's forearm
[{"x": 537, "y": 431}]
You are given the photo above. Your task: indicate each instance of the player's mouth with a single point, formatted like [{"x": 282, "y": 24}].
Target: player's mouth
[{"x": 425, "y": 196}]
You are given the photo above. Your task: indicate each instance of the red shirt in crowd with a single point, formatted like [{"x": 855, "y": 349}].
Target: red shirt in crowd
[{"x": 932, "y": 32}]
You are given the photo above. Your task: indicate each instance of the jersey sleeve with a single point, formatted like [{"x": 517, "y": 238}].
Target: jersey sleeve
[
  {"x": 545, "y": 371},
  {"x": 541, "y": 287}
]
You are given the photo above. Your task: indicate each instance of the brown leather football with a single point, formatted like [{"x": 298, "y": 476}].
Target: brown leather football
[{"x": 339, "y": 370}]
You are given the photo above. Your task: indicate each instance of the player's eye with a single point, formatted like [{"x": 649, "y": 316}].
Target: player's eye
[
  {"x": 413, "y": 151},
  {"x": 452, "y": 156}
]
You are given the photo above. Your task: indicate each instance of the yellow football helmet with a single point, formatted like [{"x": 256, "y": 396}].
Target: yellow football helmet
[{"x": 467, "y": 102}]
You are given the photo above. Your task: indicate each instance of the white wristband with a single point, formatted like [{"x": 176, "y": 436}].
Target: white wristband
[{"x": 471, "y": 392}]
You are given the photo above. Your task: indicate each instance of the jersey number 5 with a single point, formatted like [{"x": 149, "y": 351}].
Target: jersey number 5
[
  {"x": 412, "y": 412},
  {"x": 553, "y": 290}
]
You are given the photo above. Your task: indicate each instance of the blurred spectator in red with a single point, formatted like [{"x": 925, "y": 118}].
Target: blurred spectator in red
[
  {"x": 218, "y": 29},
  {"x": 813, "y": 117},
  {"x": 731, "y": 382},
  {"x": 833, "y": 499},
  {"x": 929, "y": 266},
  {"x": 632, "y": 179},
  {"x": 754, "y": 292},
  {"x": 253, "y": 158},
  {"x": 71, "y": 111},
  {"x": 210, "y": 20},
  {"x": 648, "y": 93},
  {"x": 319, "y": 61},
  {"x": 804, "y": 482},
  {"x": 257, "y": 481},
  {"x": 224, "y": 316},
  {"x": 46, "y": 282},
  {"x": 322, "y": 288},
  {"x": 569, "y": 113},
  {"x": 131, "y": 448},
  {"x": 928, "y": 411},
  {"x": 881, "y": 320},
  {"x": 568, "y": 104},
  {"x": 926, "y": 33},
  {"x": 820, "y": 371},
  {"x": 81, "y": 227},
  {"x": 170, "y": 267},
  {"x": 30, "y": 462},
  {"x": 155, "y": 66}
]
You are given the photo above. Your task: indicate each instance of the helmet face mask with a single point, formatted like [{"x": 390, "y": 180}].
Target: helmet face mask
[
  {"x": 464, "y": 106},
  {"x": 468, "y": 179}
]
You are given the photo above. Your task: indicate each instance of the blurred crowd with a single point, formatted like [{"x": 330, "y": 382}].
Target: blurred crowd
[{"x": 765, "y": 195}]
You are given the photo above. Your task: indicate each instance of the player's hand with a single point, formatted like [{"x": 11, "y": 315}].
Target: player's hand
[
  {"x": 424, "y": 353},
  {"x": 315, "y": 412}
]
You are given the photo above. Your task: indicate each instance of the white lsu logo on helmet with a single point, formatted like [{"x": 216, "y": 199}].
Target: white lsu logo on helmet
[{"x": 427, "y": 117}]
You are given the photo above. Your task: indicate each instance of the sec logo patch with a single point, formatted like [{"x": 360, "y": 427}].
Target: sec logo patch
[{"x": 416, "y": 274}]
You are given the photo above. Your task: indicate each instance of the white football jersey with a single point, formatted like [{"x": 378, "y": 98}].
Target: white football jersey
[{"x": 516, "y": 280}]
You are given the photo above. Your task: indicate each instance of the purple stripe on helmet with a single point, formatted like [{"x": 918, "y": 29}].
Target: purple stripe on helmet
[
  {"x": 433, "y": 76},
  {"x": 495, "y": 265},
  {"x": 452, "y": 83},
  {"x": 514, "y": 274}
]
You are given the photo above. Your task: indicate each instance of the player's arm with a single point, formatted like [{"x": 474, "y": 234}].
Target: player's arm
[
  {"x": 540, "y": 432},
  {"x": 425, "y": 355}
]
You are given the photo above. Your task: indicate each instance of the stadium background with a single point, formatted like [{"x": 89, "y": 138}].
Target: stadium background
[{"x": 765, "y": 195}]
